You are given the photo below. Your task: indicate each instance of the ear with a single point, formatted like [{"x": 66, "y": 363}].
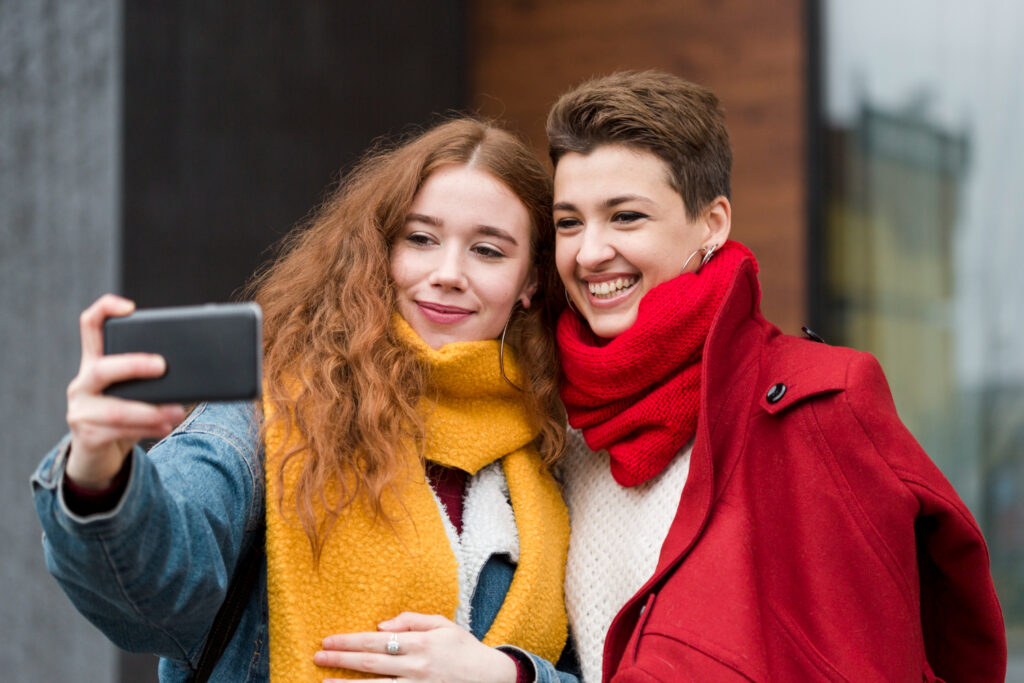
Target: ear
[
  {"x": 529, "y": 289},
  {"x": 718, "y": 218}
]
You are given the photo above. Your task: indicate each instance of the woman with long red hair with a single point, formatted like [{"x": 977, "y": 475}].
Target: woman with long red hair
[{"x": 397, "y": 460}]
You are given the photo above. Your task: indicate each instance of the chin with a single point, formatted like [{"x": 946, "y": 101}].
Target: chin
[{"x": 608, "y": 327}]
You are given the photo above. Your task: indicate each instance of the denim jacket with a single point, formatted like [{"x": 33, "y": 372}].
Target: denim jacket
[{"x": 152, "y": 572}]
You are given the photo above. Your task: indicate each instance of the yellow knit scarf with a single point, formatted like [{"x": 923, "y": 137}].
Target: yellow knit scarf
[{"x": 370, "y": 571}]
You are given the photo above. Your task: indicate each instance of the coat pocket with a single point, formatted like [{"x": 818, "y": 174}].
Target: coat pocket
[
  {"x": 664, "y": 657},
  {"x": 661, "y": 652},
  {"x": 814, "y": 660}
]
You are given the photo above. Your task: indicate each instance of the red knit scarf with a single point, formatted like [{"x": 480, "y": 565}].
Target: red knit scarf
[{"x": 637, "y": 396}]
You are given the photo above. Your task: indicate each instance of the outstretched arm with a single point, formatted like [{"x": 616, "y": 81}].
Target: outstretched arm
[{"x": 151, "y": 569}]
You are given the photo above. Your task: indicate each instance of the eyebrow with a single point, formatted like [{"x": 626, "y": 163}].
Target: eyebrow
[
  {"x": 423, "y": 218},
  {"x": 608, "y": 203},
  {"x": 487, "y": 230},
  {"x": 497, "y": 233}
]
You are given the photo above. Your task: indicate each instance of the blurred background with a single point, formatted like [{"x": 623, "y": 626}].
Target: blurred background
[{"x": 159, "y": 149}]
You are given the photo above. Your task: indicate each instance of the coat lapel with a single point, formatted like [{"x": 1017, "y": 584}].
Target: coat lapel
[{"x": 730, "y": 367}]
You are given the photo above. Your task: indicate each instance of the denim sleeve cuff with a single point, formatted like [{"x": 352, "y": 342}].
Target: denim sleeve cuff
[
  {"x": 83, "y": 501},
  {"x": 48, "y": 479},
  {"x": 526, "y": 671},
  {"x": 540, "y": 670},
  {"x": 107, "y": 521}
]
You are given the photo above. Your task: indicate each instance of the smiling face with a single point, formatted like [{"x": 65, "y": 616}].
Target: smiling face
[
  {"x": 462, "y": 259},
  {"x": 621, "y": 230}
]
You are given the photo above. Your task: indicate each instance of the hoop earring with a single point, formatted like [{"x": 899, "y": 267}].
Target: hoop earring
[
  {"x": 568, "y": 300},
  {"x": 708, "y": 253},
  {"x": 501, "y": 351}
]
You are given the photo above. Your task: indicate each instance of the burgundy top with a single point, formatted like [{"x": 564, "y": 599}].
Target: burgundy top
[
  {"x": 83, "y": 501},
  {"x": 449, "y": 483}
]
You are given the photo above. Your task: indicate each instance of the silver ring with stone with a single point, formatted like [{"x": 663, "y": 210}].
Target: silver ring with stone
[{"x": 392, "y": 647}]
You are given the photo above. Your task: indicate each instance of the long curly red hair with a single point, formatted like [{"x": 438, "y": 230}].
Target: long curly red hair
[{"x": 335, "y": 369}]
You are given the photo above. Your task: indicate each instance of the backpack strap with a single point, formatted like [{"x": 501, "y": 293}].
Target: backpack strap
[{"x": 230, "y": 613}]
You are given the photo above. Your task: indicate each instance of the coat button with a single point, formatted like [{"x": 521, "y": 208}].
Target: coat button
[
  {"x": 776, "y": 393},
  {"x": 812, "y": 335}
]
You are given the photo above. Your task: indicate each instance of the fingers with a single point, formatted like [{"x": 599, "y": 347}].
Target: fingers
[
  {"x": 359, "y": 642},
  {"x": 444, "y": 652},
  {"x": 91, "y": 322},
  {"x": 90, "y": 412},
  {"x": 377, "y": 641},
  {"x": 415, "y": 621},
  {"x": 99, "y": 420},
  {"x": 103, "y": 432},
  {"x": 97, "y": 373},
  {"x": 450, "y": 653},
  {"x": 367, "y": 662}
]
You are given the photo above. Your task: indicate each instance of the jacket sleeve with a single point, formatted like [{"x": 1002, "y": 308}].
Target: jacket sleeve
[
  {"x": 965, "y": 638},
  {"x": 543, "y": 670},
  {"x": 152, "y": 572}
]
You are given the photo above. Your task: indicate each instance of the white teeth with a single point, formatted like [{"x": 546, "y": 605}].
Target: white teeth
[{"x": 603, "y": 290}]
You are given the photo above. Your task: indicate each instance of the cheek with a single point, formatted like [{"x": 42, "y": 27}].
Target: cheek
[
  {"x": 658, "y": 270},
  {"x": 659, "y": 261},
  {"x": 565, "y": 259},
  {"x": 400, "y": 268},
  {"x": 501, "y": 291}
]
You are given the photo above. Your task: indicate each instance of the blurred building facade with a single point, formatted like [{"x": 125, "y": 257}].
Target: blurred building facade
[
  {"x": 159, "y": 149},
  {"x": 920, "y": 111}
]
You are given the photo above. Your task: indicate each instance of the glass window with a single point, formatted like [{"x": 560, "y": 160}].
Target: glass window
[{"x": 923, "y": 226}]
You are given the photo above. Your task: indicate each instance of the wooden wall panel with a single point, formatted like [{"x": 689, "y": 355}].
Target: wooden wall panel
[{"x": 522, "y": 54}]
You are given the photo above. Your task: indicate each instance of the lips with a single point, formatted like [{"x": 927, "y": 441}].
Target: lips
[
  {"x": 441, "y": 314},
  {"x": 609, "y": 290}
]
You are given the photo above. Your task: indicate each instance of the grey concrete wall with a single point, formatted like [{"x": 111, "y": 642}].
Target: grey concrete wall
[{"x": 59, "y": 248}]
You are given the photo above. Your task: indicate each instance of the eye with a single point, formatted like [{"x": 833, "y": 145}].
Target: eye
[
  {"x": 628, "y": 217},
  {"x": 567, "y": 223},
  {"x": 419, "y": 239},
  {"x": 488, "y": 252}
]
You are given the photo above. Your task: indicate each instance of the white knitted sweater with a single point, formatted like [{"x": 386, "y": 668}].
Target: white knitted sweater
[{"x": 617, "y": 534}]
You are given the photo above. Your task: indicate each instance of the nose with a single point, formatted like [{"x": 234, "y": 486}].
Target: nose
[
  {"x": 449, "y": 272},
  {"x": 594, "y": 248}
]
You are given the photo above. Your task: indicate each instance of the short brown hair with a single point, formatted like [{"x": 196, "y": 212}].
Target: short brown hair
[{"x": 679, "y": 121}]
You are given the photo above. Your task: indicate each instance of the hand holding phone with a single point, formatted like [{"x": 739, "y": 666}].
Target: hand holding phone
[
  {"x": 213, "y": 352},
  {"x": 105, "y": 427}
]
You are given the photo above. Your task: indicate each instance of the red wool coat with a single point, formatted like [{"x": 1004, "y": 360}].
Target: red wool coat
[{"x": 815, "y": 539}]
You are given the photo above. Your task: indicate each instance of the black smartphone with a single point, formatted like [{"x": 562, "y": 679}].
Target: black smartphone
[{"x": 214, "y": 352}]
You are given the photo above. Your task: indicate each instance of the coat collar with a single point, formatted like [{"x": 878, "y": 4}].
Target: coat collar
[
  {"x": 744, "y": 356},
  {"x": 728, "y": 376}
]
